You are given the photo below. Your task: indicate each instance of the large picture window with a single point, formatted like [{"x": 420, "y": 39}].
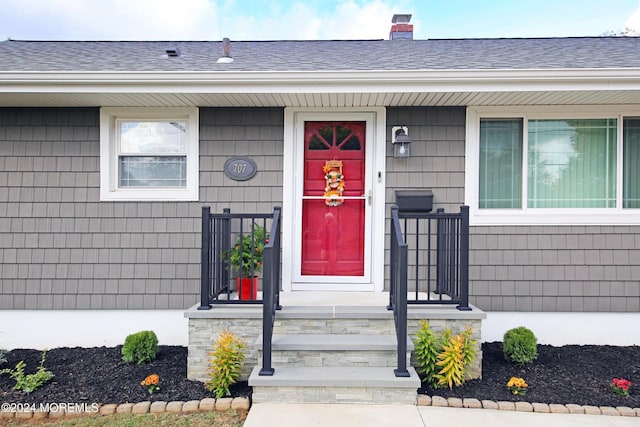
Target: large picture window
[
  {"x": 543, "y": 168},
  {"x": 149, "y": 154},
  {"x": 631, "y": 163},
  {"x": 501, "y": 163}
]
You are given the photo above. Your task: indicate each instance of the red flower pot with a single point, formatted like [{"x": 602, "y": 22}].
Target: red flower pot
[{"x": 247, "y": 288}]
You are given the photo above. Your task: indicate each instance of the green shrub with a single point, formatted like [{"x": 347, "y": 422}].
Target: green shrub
[
  {"x": 426, "y": 349},
  {"x": 443, "y": 359},
  {"x": 225, "y": 364},
  {"x": 140, "y": 347},
  {"x": 520, "y": 345},
  {"x": 29, "y": 382},
  {"x": 3, "y": 358}
]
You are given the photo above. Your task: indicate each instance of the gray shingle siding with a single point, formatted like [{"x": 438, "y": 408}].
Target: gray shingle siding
[
  {"x": 534, "y": 268},
  {"x": 556, "y": 268},
  {"x": 437, "y": 154},
  {"x": 61, "y": 248}
]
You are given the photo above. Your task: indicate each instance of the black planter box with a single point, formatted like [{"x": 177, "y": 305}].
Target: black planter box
[{"x": 414, "y": 200}]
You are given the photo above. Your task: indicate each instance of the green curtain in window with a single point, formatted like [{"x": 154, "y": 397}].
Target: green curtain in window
[
  {"x": 500, "y": 163},
  {"x": 572, "y": 163},
  {"x": 631, "y": 163}
]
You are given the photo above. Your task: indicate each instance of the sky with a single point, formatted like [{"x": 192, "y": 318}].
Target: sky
[{"x": 309, "y": 19}]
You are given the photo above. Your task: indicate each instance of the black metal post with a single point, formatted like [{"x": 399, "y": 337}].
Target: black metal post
[
  {"x": 451, "y": 257},
  {"x": 204, "y": 259},
  {"x": 270, "y": 292},
  {"x": 429, "y": 264},
  {"x": 417, "y": 261},
  {"x": 464, "y": 259},
  {"x": 267, "y": 312},
  {"x": 400, "y": 309},
  {"x": 225, "y": 246},
  {"x": 392, "y": 259},
  {"x": 440, "y": 248},
  {"x": 277, "y": 216},
  {"x": 401, "y": 301}
]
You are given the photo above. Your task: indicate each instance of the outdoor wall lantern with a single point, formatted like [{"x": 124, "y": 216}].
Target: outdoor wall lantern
[{"x": 400, "y": 140}]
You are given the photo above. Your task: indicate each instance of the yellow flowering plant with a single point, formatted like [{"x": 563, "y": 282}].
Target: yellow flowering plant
[
  {"x": 517, "y": 386},
  {"x": 225, "y": 363},
  {"x": 151, "y": 383}
]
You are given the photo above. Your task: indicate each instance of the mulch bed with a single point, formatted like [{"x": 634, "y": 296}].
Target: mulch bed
[
  {"x": 99, "y": 375},
  {"x": 568, "y": 374}
]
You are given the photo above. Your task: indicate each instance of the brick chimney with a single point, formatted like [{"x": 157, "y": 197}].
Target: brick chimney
[{"x": 401, "y": 29}]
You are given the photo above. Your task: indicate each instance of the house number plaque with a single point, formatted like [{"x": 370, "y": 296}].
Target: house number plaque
[{"x": 240, "y": 168}]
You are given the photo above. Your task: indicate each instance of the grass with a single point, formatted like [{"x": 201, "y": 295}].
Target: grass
[{"x": 199, "y": 419}]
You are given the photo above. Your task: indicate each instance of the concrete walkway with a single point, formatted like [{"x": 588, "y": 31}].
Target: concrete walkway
[{"x": 347, "y": 415}]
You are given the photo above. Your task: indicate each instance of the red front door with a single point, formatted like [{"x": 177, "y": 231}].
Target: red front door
[{"x": 333, "y": 205}]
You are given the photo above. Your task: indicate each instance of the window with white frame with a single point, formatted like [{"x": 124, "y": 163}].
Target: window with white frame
[
  {"x": 546, "y": 166},
  {"x": 149, "y": 153}
]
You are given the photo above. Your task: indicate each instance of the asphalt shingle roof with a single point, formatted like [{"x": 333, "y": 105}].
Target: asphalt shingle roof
[{"x": 448, "y": 54}]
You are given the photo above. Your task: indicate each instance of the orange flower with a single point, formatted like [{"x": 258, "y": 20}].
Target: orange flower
[
  {"x": 517, "y": 386},
  {"x": 151, "y": 383}
]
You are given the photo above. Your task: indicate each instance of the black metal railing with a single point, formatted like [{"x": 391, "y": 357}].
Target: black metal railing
[
  {"x": 438, "y": 252},
  {"x": 398, "y": 291},
  {"x": 438, "y": 257},
  {"x": 270, "y": 291},
  {"x": 233, "y": 246}
]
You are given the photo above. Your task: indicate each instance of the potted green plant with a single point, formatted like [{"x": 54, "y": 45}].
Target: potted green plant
[{"x": 246, "y": 257}]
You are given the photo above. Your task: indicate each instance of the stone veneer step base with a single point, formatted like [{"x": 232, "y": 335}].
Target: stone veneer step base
[
  {"x": 334, "y": 385},
  {"x": 337, "y": 350},
  {"x": 364, "y": 342}
]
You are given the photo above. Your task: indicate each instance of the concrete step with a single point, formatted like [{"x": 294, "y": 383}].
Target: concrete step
[
  {"x": 334, "y": 385},
  {"x": 335, "y": 350},
  {"x": 334, "y": 320}
]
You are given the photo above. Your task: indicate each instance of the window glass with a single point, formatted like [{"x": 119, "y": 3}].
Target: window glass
[
  {"x": 152, "y": 137},
  {"x": 316, "y": 143},
  {"x": 631, "y": 156},
  {"x": 149, "y": 171},
  {"x": 572, "y": 163},
  {"x": 152, "y": 140},
  {"x": 334, "y": 136},
  {"x": 500, "y": 163}
]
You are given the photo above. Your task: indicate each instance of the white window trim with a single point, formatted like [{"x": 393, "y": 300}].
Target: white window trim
[
  {"x": 109, "y": 189},
  {"x": 537, "y": 216}
]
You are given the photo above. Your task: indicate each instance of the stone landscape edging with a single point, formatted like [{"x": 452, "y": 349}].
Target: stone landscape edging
[
  {"x": 238, "y": 404},
  {"x": 241, "y": 404},
  {"x": 570, "y": 408}
]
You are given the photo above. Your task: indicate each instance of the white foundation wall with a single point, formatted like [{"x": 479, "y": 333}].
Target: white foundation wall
[
  {"x": 566, "y": 328},
  {"x": 41, "y": 329},
  {"x": 86, "y": 328}
]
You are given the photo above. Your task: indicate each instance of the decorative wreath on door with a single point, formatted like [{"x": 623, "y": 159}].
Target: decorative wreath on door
[{"x": 334, "y": 182}]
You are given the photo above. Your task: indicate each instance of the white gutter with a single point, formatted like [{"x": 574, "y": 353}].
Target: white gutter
[{"x": 505, "y": 80}]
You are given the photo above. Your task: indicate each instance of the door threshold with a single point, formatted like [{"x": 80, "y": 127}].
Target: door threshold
[{"x": 333, "y": 298}]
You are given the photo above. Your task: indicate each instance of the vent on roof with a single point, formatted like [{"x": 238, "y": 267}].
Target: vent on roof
[
  {"x": 172, "y": 53},
  {"x": 401, "y": 29},
  {"x": 226, "y": 51}
]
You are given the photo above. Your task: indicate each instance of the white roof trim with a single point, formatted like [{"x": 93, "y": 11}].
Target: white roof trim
[{"x": 322, "y": 82}]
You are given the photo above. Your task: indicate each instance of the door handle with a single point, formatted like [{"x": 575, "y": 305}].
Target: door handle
[{"x": 369, "y": 197}]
